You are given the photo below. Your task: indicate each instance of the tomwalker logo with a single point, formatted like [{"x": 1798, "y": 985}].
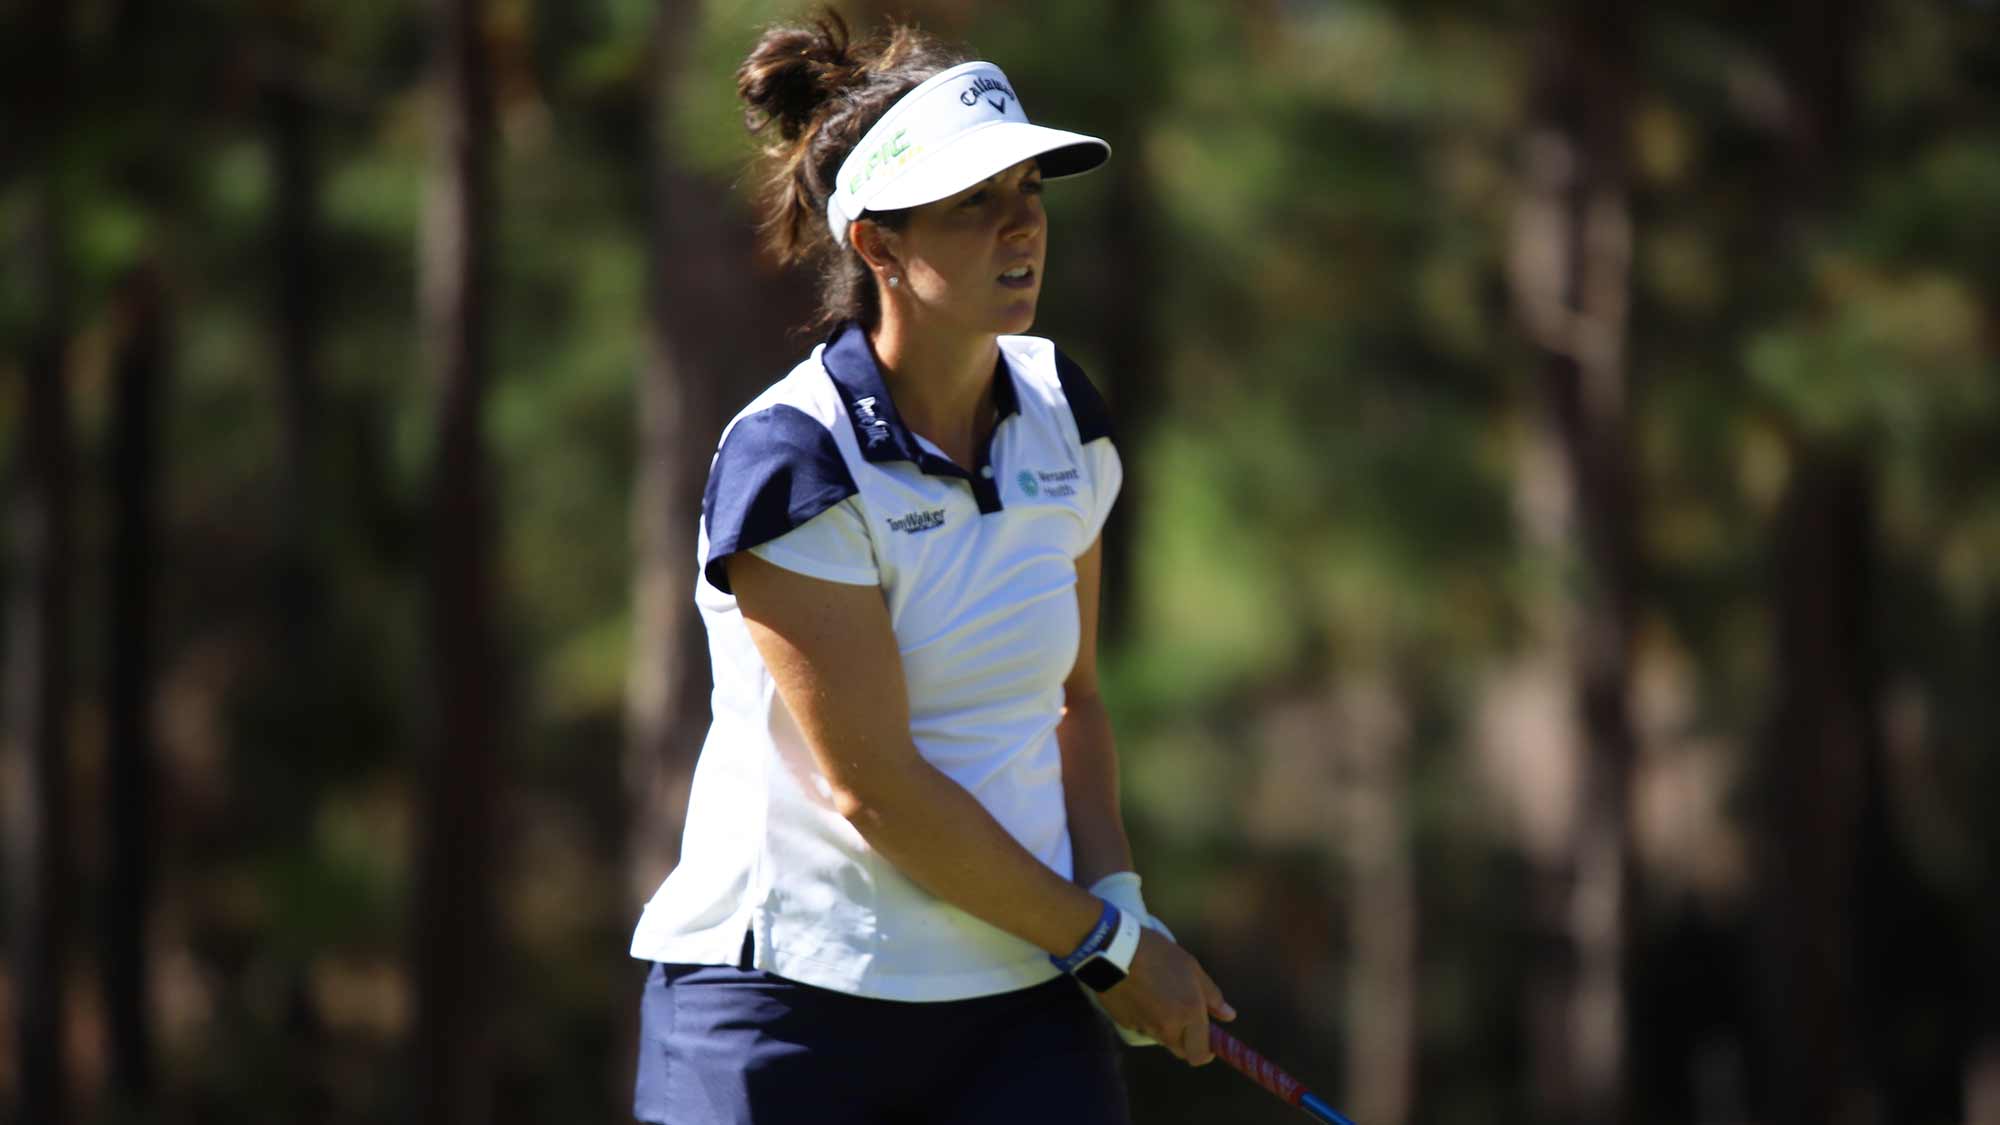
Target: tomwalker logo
[{"x": 918, "y": 521}]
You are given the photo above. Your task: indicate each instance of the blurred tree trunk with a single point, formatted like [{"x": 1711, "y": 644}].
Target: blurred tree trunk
[
  {"x": 1822, "y": 743},
  {"x": 1132, "y": 378},
  {"x": 1571, "y": 274},
  {"x": 667, "y": 683},
  {"x": 296, "y": 601},
  {"x": 456, "y": 928},
  {"x": 141, "y": 369},
  {"x": 1373, "y": 727},
  {"x": 295, "y": 269},
  {"x": 139, "y": 373},
  {"x": 1982, "y": 1067},
  {"x": 37, "y": 653},
  {"x": 1820, "y": 740}
]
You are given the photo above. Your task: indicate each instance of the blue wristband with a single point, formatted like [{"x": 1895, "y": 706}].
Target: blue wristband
[{"x": 1094, "y": 942}]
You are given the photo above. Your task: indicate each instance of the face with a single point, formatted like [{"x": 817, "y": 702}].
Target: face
[{"x": 973, "y": 261}]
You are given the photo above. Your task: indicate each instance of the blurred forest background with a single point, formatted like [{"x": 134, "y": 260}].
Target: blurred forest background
[{"x": 1554, "y": 624}]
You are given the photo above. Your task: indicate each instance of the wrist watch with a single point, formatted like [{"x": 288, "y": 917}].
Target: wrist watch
[{"x": 1105, "y": 955}]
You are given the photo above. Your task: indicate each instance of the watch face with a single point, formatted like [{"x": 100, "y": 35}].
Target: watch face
[{"x": 1099, "y": 973}]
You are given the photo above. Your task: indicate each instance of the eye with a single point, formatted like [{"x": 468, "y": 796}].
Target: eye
[
  {"x": 976, "y": 198},
  {"x": 1032, "y": 187}
]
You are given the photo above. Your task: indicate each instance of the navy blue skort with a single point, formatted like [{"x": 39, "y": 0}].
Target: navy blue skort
[{"x": 723, "y": 1045}]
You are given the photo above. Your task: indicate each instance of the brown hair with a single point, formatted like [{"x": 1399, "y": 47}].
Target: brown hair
[{"x": 821, "y": 93}]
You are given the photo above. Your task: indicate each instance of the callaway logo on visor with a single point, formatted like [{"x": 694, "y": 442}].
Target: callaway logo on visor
[{"x": 986, "y": 86}]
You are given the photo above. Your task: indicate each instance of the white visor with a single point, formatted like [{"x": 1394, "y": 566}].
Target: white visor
[{"x": 954, "y": 130}]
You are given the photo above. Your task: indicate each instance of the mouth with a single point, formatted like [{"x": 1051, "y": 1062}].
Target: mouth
[{"x": 1019, "y": 277}]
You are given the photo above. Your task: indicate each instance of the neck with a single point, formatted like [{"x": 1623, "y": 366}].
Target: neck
[{"x": 942, "y": 382}]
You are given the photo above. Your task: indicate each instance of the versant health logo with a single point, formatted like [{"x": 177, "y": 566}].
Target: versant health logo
[{"x": 1051, "y": 484}]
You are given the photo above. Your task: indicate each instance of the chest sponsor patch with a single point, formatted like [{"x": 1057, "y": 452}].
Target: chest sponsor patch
[{"x": 922, "y": 520}]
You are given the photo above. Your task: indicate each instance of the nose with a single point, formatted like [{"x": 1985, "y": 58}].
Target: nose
[{"x": 1024, "y": 217}]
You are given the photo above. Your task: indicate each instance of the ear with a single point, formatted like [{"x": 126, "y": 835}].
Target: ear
[{"x": 876, "y": 245}]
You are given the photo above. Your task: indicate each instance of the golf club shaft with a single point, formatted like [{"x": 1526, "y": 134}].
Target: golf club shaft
[{"x": 1264, "y": 1073}]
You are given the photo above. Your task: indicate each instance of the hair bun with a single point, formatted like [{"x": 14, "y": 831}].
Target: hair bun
[
  {"x": 795, "y": 71},
  {"x": 823, "y": 92}
]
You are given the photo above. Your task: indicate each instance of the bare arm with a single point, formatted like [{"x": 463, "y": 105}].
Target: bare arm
[
  {"x": 833, "y": 654},
  {"x": 1089, "y": 755}
]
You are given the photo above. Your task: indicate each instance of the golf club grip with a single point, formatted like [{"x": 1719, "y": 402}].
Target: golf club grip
[
  {"x": 1254, "y": 1066},
  {"x": 1269, "y": 1075}
]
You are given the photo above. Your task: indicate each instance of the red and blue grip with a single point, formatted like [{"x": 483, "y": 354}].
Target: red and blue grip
[{"x": 1267, "y": 1074}]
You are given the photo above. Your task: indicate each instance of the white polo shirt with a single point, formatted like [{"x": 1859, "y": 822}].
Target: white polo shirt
[{"x": 820, "y": 476}]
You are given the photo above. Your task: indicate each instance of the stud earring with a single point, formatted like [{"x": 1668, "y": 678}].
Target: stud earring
[{"x": 894, "y": 281}]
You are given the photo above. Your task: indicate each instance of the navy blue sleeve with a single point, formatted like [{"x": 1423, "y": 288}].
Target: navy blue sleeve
[
  {"x": 1093, "y": 421},
  {"x": 776, "y": 469}
]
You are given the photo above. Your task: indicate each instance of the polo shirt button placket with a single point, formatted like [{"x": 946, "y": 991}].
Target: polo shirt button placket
[{"x": 987, "y": 491}]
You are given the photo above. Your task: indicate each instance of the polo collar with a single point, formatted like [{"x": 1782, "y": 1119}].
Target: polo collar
[{"x": 878, "y": 428}]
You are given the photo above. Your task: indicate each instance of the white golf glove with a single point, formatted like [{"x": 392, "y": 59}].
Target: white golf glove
[{"x": 1121, "y": 889}]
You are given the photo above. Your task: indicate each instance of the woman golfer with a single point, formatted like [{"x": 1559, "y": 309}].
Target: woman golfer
[{"x": 904, "y": 832}]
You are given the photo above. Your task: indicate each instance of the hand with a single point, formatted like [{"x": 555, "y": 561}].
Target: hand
[
  {"x": 1168, "y": 996},
  {"x": 1122, "y": 890}
]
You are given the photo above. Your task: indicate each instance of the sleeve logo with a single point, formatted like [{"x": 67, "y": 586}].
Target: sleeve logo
[
  {"x": 1061, "y": 483},
  {"x": 871, "y": 424}
]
